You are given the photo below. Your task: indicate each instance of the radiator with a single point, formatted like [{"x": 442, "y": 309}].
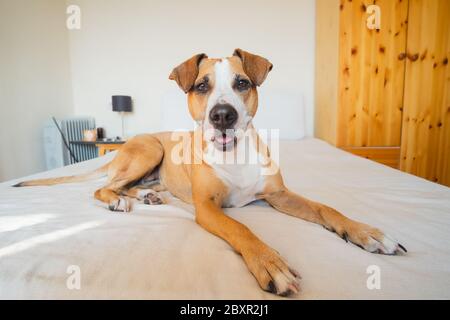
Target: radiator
[{"x": 56, "y": 153}]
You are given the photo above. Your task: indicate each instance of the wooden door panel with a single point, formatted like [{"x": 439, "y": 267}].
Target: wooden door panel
[
  {"x": 425, "y": 147},
  {"x": 371, "y": 74}
]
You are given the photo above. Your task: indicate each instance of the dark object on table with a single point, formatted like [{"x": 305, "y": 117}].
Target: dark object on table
[{"x": 100, "y": 133}]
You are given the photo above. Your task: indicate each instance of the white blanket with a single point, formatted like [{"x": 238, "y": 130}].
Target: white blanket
[{"x": 50, "y": 235}]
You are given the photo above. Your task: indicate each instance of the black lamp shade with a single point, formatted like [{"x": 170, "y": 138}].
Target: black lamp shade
[{"x": 121, "y": 103}]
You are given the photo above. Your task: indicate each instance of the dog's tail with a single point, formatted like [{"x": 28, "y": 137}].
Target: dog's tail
[{"x": 100, "y": 172}]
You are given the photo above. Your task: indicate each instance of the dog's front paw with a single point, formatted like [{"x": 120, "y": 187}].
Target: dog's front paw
[
  {"x": 370, "y": 239},
  {"x": 272, "y": 272}
]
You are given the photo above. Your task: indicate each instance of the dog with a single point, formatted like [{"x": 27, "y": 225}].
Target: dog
[{"x": 222, "y": 98}]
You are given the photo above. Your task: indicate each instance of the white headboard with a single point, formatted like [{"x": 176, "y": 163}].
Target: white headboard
[
  {"x": 281, "y": 110},
  {"x": 277, "y": 110},
  {"x": 175, "y": 114}
]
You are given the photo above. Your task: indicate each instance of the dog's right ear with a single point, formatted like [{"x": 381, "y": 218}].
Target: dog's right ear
[{"x": 186, "y": 73}]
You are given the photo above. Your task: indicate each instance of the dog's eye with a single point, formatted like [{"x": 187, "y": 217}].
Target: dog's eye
[
  {"x": 242, "y": 84},
  {"x": 202, "y": 87}
]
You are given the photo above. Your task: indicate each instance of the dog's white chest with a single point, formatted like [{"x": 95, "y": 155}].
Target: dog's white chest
[{"x": 244, "y": 181}]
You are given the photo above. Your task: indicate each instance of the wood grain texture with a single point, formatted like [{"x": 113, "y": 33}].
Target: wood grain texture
[
  {"x": 425, "y": 147},
  {"x": 371, "y": 74},
  {"x": 392, "y": 87},
  {"x": 326, "y": 71},
  {"x": 389, "y": 156}
]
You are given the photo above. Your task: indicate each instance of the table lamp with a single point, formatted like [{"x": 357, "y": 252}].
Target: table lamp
[{"x": 122, "y": 104}]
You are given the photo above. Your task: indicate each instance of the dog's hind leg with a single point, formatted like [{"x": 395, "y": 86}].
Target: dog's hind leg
[{"x": 134, "y": 160}]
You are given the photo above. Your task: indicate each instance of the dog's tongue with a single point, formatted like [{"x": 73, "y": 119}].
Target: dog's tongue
[{"x": 224, "y": 139}]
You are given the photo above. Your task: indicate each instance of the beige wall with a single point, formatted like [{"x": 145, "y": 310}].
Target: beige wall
[
  {"x": 130, "y": 47},
  {"x": 34, "y": 80}
]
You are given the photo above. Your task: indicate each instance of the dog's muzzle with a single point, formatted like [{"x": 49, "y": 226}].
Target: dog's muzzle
[{"x": 223, "y": 117}]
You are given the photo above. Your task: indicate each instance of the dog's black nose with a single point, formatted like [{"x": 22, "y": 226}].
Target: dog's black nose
[{"x": 223, "y": 116}]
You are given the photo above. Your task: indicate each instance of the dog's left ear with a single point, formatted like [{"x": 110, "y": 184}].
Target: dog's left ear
[
  {"x": 256, "y": 67},
  {"x": 186, "y": 73}
]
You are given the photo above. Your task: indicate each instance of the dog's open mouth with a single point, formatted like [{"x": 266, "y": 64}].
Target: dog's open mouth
[{"x": 224, "y": 141}]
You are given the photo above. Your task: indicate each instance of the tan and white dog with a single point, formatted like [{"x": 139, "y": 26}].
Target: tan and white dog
[{"x": 222, "y": 99}]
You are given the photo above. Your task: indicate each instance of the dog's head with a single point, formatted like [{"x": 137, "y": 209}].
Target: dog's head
[{"x": 222, "y": 94}]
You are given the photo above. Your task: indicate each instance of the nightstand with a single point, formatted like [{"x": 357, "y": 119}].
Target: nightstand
[
  {"x": 102, "y": 146},
  {"x": 107, "y": 146}
]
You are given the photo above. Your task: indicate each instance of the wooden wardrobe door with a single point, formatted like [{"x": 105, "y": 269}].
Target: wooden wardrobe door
[
  {"x": 425, "y": 149},
  {"x": 371, "y": 74}
]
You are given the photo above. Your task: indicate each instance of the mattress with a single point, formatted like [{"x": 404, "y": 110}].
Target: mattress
[{"x": 59, "y": 242}]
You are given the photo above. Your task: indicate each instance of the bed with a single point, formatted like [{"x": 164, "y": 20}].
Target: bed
[{"x": 47, "y": 234}]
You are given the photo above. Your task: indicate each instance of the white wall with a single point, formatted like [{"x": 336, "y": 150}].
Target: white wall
[
  {"x": 34, "y": 80},
  {"x": 130, "y": 47}
]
